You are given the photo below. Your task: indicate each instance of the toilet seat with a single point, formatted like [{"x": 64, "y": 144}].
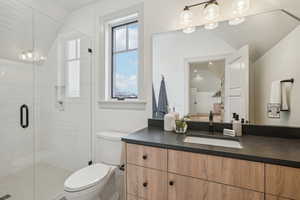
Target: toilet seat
[{"x": 87, "y": 177}]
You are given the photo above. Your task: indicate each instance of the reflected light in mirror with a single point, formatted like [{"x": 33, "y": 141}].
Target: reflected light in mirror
[
  {"x": 236, "y": 21},
  {"x": 30, "y": 56},
  {"x": 189, "y": 29},
  {"x": 2, "y": 73},
  {"x": 211, "y": 26},
  {"x": 198, "y": 77}
]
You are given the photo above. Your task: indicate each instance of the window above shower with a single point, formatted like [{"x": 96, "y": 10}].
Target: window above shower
[{"x": 72, "y": 68}]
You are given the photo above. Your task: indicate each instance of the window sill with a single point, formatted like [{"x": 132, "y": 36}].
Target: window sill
[{"x": 124, "y": 105}]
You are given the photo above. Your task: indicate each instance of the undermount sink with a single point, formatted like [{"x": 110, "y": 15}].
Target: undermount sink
[{"x": 214, "y": 142}]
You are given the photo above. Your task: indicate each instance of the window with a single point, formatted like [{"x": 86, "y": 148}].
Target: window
[
  {"x": 72, "y": 64},
  {"x": 125, "y": 61}
]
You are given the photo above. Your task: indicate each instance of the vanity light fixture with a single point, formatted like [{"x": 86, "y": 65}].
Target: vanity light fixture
[{"x": 211, "y": 13}]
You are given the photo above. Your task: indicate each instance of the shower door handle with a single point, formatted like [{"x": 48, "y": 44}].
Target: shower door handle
[{"x": 24, "y": 113}]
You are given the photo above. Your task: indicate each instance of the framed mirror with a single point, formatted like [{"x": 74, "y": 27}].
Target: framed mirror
[{"x": 250, "y": 69}]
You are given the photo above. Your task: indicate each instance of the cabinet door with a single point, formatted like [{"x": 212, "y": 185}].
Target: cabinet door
[
  {"x": 240, "y": 173},
  {"x": 144, "y": 156},
  {"x": 283, "y": 181},
  {"x": 182, "y": 187},
  {"x": 218, "y": 191},
  {"x": 196, "y": 167},
  {"x": 146, "y": 183},
  {"x": 271, "y": 197}
]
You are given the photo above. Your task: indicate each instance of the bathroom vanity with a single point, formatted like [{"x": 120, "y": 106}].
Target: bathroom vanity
[
  {"x": 160, "y": 166},
  {"x": 210, "y": 76}
]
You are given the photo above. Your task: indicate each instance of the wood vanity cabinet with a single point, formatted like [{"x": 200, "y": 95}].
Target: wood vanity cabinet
[
  {"x": 240, "y": 173},
  {"x": 146, "y": 183},
  {"x": 149, "y": 157},
  {"x": 283, "y": 181},
  {"x": 183, "y": 187},
  {"x": 163, "y": 174},
  {"x": 271, "y": 197}
]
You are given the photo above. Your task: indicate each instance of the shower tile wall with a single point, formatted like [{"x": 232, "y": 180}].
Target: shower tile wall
[{"x": 63, "y": 136}]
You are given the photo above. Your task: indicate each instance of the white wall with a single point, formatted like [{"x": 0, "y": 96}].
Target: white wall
[
  {"x": 64, "y": 136},
  {"x": 281, "y": 62},
  {"x": 159, "y": 16}
]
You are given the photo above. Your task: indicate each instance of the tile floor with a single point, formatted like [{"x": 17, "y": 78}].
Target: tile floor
[{"x": 49, "y": 183}]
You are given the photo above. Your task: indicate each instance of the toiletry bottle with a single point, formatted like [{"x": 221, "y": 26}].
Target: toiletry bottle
[
  {"x": 211, "y": 121},
  {"x": 233, "y": 117},
  {"x": 237, "y": 126},
  {"x": 176, "y": 114},
  {"x": 169, "y": 122}
]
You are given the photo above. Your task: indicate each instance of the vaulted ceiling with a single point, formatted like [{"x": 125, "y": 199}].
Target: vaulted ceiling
[{"x": 71, "y": 5}]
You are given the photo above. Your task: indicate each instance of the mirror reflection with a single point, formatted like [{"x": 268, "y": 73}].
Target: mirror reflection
[{"x": 248, "y": 69}]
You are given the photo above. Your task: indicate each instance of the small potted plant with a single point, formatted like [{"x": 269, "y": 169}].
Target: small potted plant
[{"x": 181, "y": 125}]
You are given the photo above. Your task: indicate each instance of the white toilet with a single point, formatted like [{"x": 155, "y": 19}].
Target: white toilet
[{"x": 87, "y": 183}]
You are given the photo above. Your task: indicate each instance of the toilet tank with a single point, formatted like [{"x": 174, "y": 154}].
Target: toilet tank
[{"x": 109, "y": 148}]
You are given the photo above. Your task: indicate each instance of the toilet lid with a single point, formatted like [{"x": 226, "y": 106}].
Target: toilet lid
[{"x": 86, "y": 177}]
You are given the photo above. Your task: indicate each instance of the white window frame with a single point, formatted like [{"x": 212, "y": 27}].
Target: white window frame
[{"x": 134, "y": 13}]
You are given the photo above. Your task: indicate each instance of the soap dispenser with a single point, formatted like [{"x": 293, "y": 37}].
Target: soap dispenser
[
  {"x": 211, "y": 121},
  {"x": 237, "y": 126}
]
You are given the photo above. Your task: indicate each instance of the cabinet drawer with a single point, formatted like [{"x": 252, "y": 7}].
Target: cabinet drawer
[
  {"x": 240, "y": 173},
  {"x": 189, "y": 164},
  {"x": 151, "y": 157},
  {"x": 283, "y": 181},
  {"x": 182, "y": 187},
  {"x": 271, "y": 197},
  {"x": 146, "y": 183}
]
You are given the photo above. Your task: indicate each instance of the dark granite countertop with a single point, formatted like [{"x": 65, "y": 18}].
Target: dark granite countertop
[{"x": 271, "y": 150}]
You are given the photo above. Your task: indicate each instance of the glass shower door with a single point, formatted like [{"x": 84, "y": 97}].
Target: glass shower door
[
  {"x": 16, "y": 102},
  {"x": 63, "y": 104}
]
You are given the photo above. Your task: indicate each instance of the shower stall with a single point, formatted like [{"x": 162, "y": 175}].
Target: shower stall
[{"x": 45, "y": 103}]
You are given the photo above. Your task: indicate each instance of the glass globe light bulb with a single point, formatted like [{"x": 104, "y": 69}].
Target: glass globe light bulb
[
  {"x": 211, "y": 11},
  {"x": 186, "y": 17},
  {"x": 240, "y": 6}
]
